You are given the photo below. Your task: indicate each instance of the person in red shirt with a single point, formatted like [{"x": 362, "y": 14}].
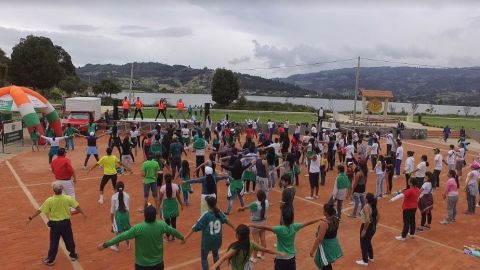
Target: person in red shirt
[
  {"x": 162, "y": 108},
  {"x": 280, "y": 129},
  {"x": 138, "y": 108},
  {"x": 249, "y": 132},
  {"x": 409, "y": 206},
  {"x": 64, "y": 172},
  {"x": 125, "y": 107}
]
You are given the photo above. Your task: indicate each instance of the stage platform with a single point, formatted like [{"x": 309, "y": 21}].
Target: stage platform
[{"x": 149, "y": 123}]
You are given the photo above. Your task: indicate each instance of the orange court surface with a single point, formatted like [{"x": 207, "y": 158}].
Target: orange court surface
[{"x": 25, "y": 181}]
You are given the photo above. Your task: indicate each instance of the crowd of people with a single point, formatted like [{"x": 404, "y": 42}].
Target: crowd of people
[{"x": 245, "y": 156}]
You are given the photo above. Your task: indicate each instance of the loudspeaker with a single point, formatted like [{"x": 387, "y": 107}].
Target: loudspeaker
[
  {"x": 207, "y": 110},
  {"x": 115, "y": 109}
]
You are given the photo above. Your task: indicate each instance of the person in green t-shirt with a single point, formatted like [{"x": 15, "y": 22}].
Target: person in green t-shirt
[
  {"x": 150, "y": 170},
  {"x": 148, "y": 240},
  {"x": 68, "y": 132},
  {"x": 210, "y": 223},
  {"x": 286, "y": 238},
  {"x": 239, "y": 252},
  {"x": 35, "y": 136}
]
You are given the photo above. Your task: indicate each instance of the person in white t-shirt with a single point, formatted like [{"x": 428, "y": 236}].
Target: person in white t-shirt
[
  {"x": 437, "y": 168},
  {"x": 374, "y": 152},
  {"x": 349, "y": 152},
  {"x": 421, "y": 171},
  {"x": 119, "y": 212},
  {"x": 314, "y": 131},
  {"x": 460, "y": 160},
  {"x": 270, "y": 124},
  {"x": 314, "y": 175},
  {"x": 399, "y": 158},
  {"x": 389, "y": 138},
  {"x": 451, "y": 156},
  {"x": 425, "y": 203},
  {"x": 409, "y": 166}
]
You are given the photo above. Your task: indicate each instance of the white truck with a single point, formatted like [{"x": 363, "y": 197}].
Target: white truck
[{"x": 80, "y": 110}]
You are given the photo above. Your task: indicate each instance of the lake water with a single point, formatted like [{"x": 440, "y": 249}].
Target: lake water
[{"x": 339, "y": 105}]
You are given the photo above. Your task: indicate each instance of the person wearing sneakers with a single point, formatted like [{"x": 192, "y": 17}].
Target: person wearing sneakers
[
  {"x": 109, "y": 164},
  {"x": 370, "y": 218},
  {"x": 148, "y": 237},
  {"x": 425, "y": 203},
  {"x": 120, "y": 206},
  {"x": 358, "y": 187},
  {"x": 314, "y": 174},
  {"x": 57, "y": 208},
  {"x": 125, "y": 107},
  {"x": 150, "y": 169},
  {"x": 340, "y": 190},
  {"x": 64, "y": 173},
  {"x": 451, "y": 195},
  {"x": 409, "y": 207},
  {"x": 258, "y": 210},
  {"x": 471, "y": 187}
]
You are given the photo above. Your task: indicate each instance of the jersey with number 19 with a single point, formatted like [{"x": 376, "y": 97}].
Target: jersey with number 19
[{"x": 211, "y": 227}]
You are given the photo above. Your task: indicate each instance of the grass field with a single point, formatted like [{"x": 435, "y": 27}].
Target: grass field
[
  {"x": 453, "y": 122},
  {"x": 240, "y": 116}
]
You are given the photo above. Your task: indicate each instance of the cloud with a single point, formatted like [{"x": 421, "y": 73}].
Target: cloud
[
  {"x": 79, "y": 27},
  {"x": 145, "y": 32},
  {"x": 299, "y": 54},
  {"x": 240, "y": 60},
  {"x": 389, "y": 51}
]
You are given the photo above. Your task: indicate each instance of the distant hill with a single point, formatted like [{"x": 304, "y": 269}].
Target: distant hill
[
  {"x": 157, "y": 77},
  {"x": 456, "y": 86}
]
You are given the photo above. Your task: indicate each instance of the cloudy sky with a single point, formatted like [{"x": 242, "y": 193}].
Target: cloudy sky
[{"x": 251, "y": 34}]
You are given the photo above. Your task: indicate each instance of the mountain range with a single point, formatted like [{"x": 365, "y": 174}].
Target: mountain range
[{"x": 455, "y": 86}]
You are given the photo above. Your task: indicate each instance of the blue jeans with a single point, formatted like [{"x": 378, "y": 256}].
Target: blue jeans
[
  {"x": 358, "y": 197},
  {"x": 204, "y": 256},
  {"x": 398, "y": 163},
  {"x": 69, "y": 143}
]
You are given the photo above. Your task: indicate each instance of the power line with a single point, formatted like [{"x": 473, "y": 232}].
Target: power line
[
  {"x": 297, "y": 65},
  {"x": 418, "y": 65}
]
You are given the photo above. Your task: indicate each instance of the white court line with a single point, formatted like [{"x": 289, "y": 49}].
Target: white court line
[
  {"x": 76, "y": 265},
  {"x": 49, "y": 183}
]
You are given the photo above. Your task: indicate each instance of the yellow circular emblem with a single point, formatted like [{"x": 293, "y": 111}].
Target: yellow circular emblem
[{"x": 375, "y": 106}]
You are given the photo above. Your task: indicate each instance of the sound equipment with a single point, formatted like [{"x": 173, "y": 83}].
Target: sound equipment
[
  {"x": 115, "y": 109},
  {"x": 207, "y": 110}
]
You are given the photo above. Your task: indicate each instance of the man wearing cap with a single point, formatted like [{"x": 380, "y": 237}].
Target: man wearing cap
[
  {"x": 64, "y": 173},
  {"x": 57, "y": 208},
  {"x": 148, "y": 240}
]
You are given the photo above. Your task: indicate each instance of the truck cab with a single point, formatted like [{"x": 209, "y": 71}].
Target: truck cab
[{"x": 80, "y": 110}]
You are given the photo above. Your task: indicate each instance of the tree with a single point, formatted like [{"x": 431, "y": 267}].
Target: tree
[
  {"x": 225, "y": 87},
  {"x": 467, "y": 110},
  {"x": 3, "y": 68},
  {"x": 414, "y": 106},
  {"x": 106, "y": 87},
  {"x": 36, "y": 62},
  {"x": 70, "y": 85}
]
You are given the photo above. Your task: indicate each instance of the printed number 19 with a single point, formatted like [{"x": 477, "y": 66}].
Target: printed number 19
[{"x": 215, "y": 227}]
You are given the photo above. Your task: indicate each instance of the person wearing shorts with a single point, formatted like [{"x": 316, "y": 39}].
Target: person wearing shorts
[
  {"x": 109, "y": 164},
  {"x": 150, "y": 170}
]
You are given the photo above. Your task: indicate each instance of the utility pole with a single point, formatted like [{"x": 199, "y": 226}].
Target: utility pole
[
  {"x": 131, "y": 84},
  {"x": 356, "y": 93}
]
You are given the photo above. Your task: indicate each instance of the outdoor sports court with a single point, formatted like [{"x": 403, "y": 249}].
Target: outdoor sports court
[{"x": 25, "y": 182}]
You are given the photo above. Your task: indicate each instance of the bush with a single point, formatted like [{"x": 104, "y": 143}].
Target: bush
[{"x": 243, "y": 104}]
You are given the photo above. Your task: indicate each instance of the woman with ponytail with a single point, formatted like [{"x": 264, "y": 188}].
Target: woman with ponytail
[
  {"x": 368, "y": 228},
  {"x": 210, "y": 223},
  {"x": 119, "y": 212},
  {"x": 239, "y": 251},
  {"x": 285, "y": 239},
  {"x": 451, "y": 195},
  {"x": 258, "y": 210},
  {"x": 169, "y": 195},
  {"x": 326, "y": 249}
]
